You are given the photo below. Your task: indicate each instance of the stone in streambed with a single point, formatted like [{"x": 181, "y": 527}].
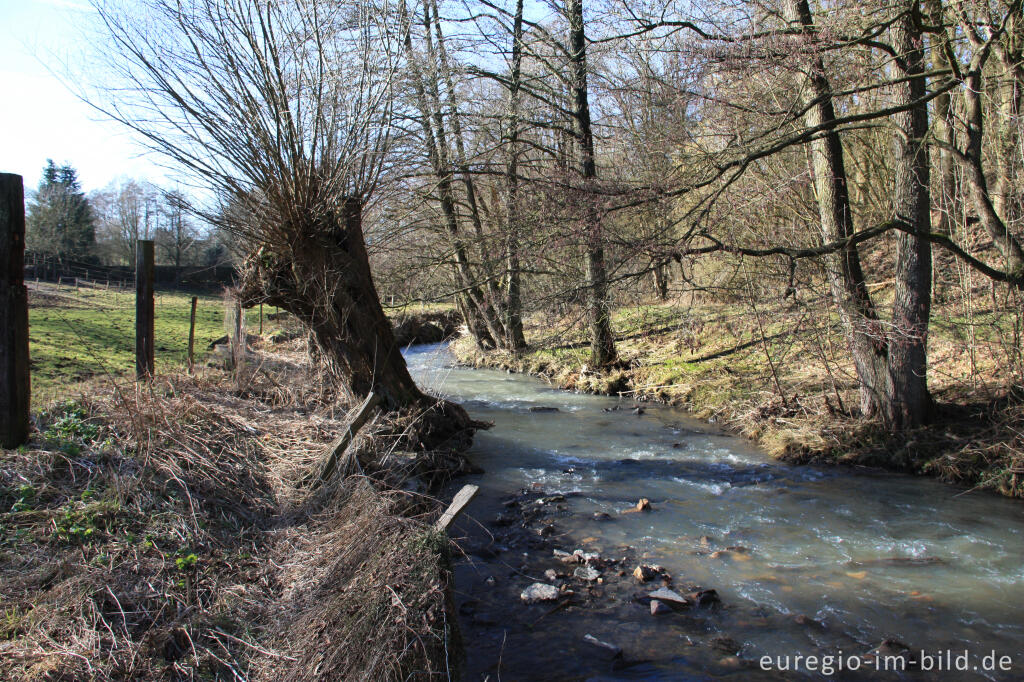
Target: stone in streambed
[
  {"x": 609, "y": 650},
  {"x": 665, "y": 595},
  {"x": 539, "y": 592},
  {"x": 704, "y": 597},
  {"x": 659, "y": 608},
  {"x": 503, "y": 520},
  {"x": 641, "y": 506},
  {"x": 725, "y": 645},
  {"x": 587, "y": 573},
  {"x": 807, "y": 621},
  {"x": 893, "y": 650},
  {"x": 645, "y": 572}
]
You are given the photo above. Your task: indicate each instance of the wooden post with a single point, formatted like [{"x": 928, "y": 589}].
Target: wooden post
[
  {"x": 15, "y": 381},
  {"x": 238, "y": 335},
  {"x": 261, "y": 319},
  {"x": 459, "y": 503},
  {"x": 340, "y": 445},
  {"x": 145, "y": 311},
  {"x": 192, "y": 334}
]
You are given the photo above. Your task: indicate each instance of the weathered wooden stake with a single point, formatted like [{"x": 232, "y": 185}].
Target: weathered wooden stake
[
  {"x": 340, "y": 445},
  {"x": 15, "y": 386},
  {"x": 261, "y": 319},
  {"x": 145, "y": 310},
  {"x": 238, "y": 336},
  {"x": 192, "y": 335},
  {"x": 459, "y": 503}
]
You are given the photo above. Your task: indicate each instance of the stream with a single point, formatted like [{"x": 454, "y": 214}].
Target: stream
[{"x": 806, "y": 560}]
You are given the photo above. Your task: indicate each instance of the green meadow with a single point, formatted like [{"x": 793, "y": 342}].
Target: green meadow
[{"x": 81, "y": 335}]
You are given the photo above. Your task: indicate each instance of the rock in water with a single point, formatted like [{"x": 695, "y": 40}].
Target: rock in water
[
  {"x": 893, "y": 650},
  {"x": 587, "y": 573},
  {"x": 643, "y": 572},
  {"x": 659, "y": 608},
  {"x": 704, "y": 597},
  {"x": 666, "y": 595},
  {"x": 539, "y": 592},
  {"x": 609, "y": 650},
  {"x": 641, "y": 506}
]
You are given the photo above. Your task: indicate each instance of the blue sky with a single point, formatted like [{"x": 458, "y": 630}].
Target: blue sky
[{"x": 40, "y": 118}]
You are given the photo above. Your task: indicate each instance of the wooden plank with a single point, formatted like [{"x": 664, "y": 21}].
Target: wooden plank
[
  {"x": 145, "y": 311},
  {"x": 192, "y": 335},
  {"x": 15, "y": 380},
  {"x": 340, "y": 445},
  {"x": 459, "y": 503}
]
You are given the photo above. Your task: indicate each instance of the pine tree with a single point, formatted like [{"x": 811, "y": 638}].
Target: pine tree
[{"x": 60, "y": 221}]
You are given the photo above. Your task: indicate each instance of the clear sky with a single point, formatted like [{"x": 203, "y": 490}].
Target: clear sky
[{"x": 39, "y": 117}]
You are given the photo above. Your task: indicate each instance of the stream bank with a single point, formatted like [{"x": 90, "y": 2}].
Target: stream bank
[
  {"x": 805, "y": 560},
  {"x": 978, "y": 445}
]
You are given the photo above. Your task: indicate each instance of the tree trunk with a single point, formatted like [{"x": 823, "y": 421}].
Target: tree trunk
[
  {"x": 325, "y": 281},
  {"x": 976, "y": 181},
  {"x": 477, "y": 311},
  {"x": 910, "y": 403},
  {"x": 1008, "y": 197},
  {"x": 494, "y": 298},
  {"x": 946, "y": 207},
  {"x": 846, "y": 277},
  {"x": 661, "y": 281},
  {"x": 516, "y": 340},
  {"x": 602, "y": 342}
]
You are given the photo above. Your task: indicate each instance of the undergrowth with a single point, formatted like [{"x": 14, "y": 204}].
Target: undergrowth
[{"x": 164, "y": 532}]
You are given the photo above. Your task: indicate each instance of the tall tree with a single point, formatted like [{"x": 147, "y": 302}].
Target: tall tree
[
  {"x": 910, "y": 402},
  {"x": 285, "y": 111},
  {"x": 59, "y": 219},
  {"x": 515, "y": 339},
  {"x": 602, "y": 342}
]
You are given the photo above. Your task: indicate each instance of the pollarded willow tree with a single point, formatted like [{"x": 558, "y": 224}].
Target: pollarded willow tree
[{"x": 283, "y": 111}]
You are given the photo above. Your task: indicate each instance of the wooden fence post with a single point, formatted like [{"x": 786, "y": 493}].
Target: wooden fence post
[
  {"x": 239, "y": 335},
  {"x": 192, "y": 334},
  {"x": 144, "y": 309},
  {"x": 15, "y": 380}
]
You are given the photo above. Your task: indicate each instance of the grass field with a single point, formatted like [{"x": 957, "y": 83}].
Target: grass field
[{"x": 78, "y": 336}]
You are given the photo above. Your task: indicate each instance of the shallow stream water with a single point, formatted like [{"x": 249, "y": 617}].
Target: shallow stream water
[{"x": 823, "y": 561}]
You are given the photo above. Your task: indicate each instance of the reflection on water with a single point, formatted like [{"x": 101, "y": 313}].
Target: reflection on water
[{"x": 868, "y": 555}]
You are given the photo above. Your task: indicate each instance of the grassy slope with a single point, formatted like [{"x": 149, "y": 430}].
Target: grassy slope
[
  {"x": 781, "y": 375},
  {"x": 164, "y": 533}
]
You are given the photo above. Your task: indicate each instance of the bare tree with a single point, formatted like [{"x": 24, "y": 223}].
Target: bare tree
[{"x": 284, "y": 111}]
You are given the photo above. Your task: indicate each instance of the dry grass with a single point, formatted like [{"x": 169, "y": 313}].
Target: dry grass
[{"x": 163, "y": 533}]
